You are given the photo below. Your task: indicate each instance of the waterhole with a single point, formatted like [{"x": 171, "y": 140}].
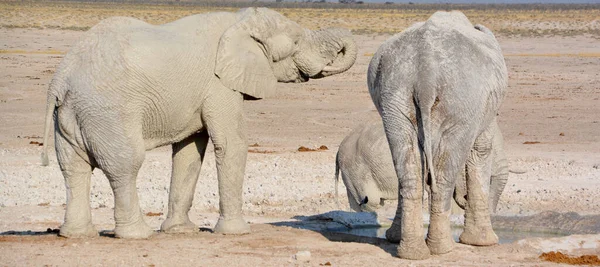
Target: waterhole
[
  {"x": 370, "y": 227},
  {"x": 504, "y": 236}
]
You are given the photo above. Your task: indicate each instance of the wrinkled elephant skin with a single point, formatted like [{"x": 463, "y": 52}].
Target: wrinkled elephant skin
[
  {"x": 128, "y": 86},
  {"x": 438, "y": 86}
]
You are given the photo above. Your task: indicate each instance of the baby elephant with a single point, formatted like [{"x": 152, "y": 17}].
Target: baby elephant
[{"x": 365, "y": 160}]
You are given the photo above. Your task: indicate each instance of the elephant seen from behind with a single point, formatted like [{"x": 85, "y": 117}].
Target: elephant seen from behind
[
  {"x": 438, "y": 86},
  {"x": 128, "y": 86}
]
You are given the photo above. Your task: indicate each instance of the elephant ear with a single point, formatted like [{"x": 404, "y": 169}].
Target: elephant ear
[{"x": 244, "y": 55}]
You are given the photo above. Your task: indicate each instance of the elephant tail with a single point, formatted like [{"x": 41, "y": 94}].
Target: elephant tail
[
  {"x": 425, "y": 105},
  {"x": 337, "y": 179},
  {"x": 56, "y": 92},
  {"x": 50, "y": 108}
]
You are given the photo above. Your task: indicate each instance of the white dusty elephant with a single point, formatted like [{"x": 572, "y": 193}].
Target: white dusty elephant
[
  {"x": 365, "y": 163},
  {"x": 128, "y": 86},
  {"x": 437, "y": 86}
]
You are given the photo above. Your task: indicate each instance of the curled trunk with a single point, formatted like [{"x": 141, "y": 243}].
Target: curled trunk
[
  {"x": 341, "y": 40},
  {"x": 345, "y": 59}
]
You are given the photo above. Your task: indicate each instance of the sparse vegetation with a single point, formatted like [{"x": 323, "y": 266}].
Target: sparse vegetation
[{"x": 518, "y": 20}]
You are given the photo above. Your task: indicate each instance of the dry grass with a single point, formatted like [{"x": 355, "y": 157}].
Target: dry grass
[{"x": 522, "y": 21}]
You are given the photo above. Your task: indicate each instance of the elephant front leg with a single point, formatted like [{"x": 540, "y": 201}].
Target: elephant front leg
[
  {"x": 187, "y": 162},
  {"x": 222, "y": 114},
  {"x": 478, "y": 226}
]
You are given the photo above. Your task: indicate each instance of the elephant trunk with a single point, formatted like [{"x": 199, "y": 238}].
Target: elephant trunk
[
  {"x": 499, "y": 168},
  {"x": 460, "y": 190},
  {"x": 497, "y": 184},
  {"x": 496, "y": 188},
  {"x": 347, "y": 51}
]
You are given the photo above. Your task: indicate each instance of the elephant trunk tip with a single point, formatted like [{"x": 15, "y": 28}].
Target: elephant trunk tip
[{"x": 45, "y": 161}]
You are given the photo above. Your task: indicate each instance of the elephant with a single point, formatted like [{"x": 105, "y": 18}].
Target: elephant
[
  {"x": 438, "y": 86},
  {"x": 128, "y": 86},
  {"x": 365, "y": 163}
]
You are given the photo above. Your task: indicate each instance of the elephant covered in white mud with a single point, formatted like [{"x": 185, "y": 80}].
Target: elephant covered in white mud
[
  {"x": 128, "y": 86},
  {"x": 365, "y": 163},
  {"x": 438, "y": 86}
]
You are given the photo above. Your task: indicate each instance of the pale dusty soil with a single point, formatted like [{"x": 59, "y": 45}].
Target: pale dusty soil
[{"x": 552, "y": 99}]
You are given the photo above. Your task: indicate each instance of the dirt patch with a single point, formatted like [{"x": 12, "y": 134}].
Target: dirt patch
[
  {"x": 152, "y": 214},
  {"x": 261, "y": 151},
  {"x": 531, "y": 142},
  {"x": 258, "y": 151},
  {"x": 30, "y": 137},
  {"x": 558, "y": 257},
  {"x": 306, "y": 149}
]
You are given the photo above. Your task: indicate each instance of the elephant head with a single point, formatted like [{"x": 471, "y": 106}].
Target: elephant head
[{"x": 263, "y": 47}]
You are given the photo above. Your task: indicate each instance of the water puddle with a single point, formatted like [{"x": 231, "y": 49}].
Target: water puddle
[
  {"x": 360, "y": 224},
  {"x": 504, "y": 236}
]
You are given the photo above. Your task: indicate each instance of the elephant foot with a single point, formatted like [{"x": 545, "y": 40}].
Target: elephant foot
[
  {"x": 487, "y": 237},
  {"x": 393, "y": 234},
  {"x": 172, "y": 226},
  {"x": 440, "y": 246},
  {"x": 138, "y": 230},
  {"x": 234, "y": 226},
  {"x": 413, "y": 250},
  {"x": 439, "y": 234},
  {"x": 69, "y": 231}
]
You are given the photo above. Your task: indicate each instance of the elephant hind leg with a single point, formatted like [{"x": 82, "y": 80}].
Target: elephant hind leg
[
  {"x": 407, "y": 227},
  {"x": 449, "y": 162},
  {"x": 187, "y": 162},
  {"x": 478, "y": 226},
  {"x": 446, "y": 166},
  {"x": 77, "y": 173},
  {"x": 121, "y": 158}
]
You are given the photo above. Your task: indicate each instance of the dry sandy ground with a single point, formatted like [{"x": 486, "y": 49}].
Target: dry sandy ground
[{"x": 553, "y": 99}]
